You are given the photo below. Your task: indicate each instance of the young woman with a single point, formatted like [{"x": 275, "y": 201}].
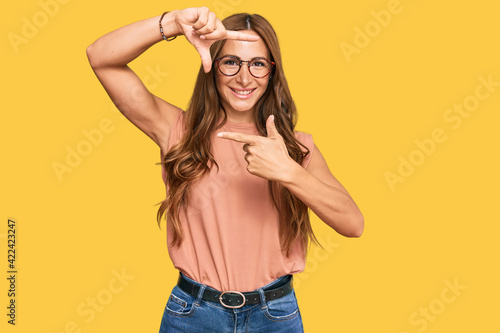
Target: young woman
[{"x": 239, "y": 179}]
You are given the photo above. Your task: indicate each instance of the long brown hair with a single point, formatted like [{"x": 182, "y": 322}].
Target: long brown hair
[{"x": 189, "y": 159}]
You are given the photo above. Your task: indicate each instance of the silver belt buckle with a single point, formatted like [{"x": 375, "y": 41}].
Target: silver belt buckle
[{"x": 232, "y": 306}]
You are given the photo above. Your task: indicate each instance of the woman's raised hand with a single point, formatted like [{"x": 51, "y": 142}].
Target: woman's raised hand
[{"x": 202, "y": 28}]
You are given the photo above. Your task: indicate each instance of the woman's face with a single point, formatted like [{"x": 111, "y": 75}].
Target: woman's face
[{"x": 240, "y": 93}]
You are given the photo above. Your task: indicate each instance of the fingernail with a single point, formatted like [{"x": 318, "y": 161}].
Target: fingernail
[
  {"x": 220, "y": 134},
  {"x": 272, "y": 117}
]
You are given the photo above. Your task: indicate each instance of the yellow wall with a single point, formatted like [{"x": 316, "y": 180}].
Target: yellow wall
[{"x": 402, "y": 98}]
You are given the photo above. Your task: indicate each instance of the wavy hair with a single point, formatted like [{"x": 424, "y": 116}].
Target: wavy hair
[{"x": 191, "y": 157}]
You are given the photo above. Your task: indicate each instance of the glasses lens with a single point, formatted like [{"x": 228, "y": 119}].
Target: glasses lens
[
  {"x": 260, "y": 67},
  {"x": 229, "y": 65}
]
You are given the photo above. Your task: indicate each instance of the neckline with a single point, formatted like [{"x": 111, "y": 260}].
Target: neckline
[{"x": 230, "y": 123}]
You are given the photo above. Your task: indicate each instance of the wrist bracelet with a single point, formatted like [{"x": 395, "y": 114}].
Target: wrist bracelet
[{"x": 161, "y": 29}]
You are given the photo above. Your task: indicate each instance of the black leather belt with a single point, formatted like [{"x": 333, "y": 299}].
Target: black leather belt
[{"x": 235, "y": 299}]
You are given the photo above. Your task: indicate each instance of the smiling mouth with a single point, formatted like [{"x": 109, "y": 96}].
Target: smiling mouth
[{"x": 243, "y": 92}]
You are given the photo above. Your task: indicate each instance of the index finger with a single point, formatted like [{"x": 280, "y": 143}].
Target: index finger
[
  {"x": 239, "y": 137},
  {"x": 238, "y": 35}
]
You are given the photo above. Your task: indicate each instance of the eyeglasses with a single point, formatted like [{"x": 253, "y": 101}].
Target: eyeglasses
[{"x": 231, "y": 65}]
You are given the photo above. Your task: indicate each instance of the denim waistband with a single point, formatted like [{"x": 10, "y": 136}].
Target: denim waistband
[
  {"x": 272, "y": 285},
  {"x": 266, "y": 287}
]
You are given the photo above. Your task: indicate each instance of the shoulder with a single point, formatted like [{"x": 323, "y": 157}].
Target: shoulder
[
  {"x": 180, "y": 117},
  {"x": 307, "y": 140},
  {"x": 179, "y": 124}
]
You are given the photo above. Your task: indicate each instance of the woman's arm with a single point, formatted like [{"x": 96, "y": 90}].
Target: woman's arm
[
  {"x": 322, "y": 192},
  {"x": 268, "y": 158},
  {"x": 109, "y": 57}
]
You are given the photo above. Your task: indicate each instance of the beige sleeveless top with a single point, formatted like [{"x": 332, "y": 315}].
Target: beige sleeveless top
[{"x": 231, "y": 227}]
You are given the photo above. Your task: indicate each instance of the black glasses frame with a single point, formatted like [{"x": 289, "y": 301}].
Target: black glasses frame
[{"x": 240, "y": 62}]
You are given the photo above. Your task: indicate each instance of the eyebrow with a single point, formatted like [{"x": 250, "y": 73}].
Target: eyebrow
[{"x": 232, "y": 55}]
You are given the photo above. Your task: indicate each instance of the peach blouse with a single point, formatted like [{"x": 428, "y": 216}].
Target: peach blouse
[{"x": 231, "y": 227}]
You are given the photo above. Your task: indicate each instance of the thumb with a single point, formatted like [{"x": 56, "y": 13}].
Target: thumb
[
  {"x": 206, "y": 59},
  {"x": 272, "y": 132}
]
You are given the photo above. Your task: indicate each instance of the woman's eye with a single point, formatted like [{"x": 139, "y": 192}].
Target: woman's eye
[
  {"x": 258, "y": 64},
  {"x": 230, "y": 63}
]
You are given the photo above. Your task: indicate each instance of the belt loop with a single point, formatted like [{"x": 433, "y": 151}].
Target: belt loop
[
  {"x": 263, "y": 301},
  {"x": 200, "y": 293}
]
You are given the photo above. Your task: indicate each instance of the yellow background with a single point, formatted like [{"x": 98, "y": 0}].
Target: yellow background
[{"x": 365, "y": 112}]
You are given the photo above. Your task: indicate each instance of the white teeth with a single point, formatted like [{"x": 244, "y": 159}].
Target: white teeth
[{"x": 243, "y": 92}]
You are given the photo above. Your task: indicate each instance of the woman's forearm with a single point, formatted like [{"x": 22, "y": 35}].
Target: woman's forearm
[
  {"x": 331, "y": 205},
  {"x": 119, "y": 47}
]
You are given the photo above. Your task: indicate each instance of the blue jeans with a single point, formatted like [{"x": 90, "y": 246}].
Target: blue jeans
[{"x": 185, "y": 313}]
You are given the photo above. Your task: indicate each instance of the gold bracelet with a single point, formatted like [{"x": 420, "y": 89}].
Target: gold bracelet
[{"x": 161, "y": 29}]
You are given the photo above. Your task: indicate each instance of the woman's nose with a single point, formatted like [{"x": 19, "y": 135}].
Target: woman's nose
[{"x": 244, "y": 76}]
